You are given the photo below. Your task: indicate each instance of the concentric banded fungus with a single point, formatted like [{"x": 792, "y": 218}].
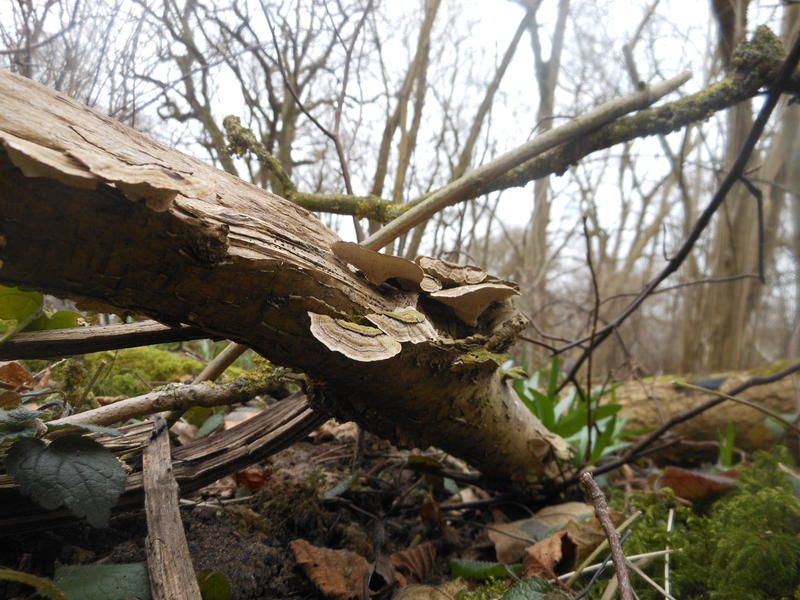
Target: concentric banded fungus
[
  {"x": 358, "y": 342},
  {"x": 379, "y": 267},
  {"x": 430, "y": 284},
  {"x": 405, "y": 325},
  {"x": 451, "y": 273},
  {"x": 469, "y": 301}
]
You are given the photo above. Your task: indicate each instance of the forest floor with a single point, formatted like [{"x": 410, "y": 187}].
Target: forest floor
[{"x": 307, "y": 523}]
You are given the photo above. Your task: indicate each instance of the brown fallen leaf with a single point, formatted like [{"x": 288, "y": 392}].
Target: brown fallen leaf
[
  {"x": 14, "y": 375},
  {"x": 339, "y": 574},
  {"x": 414, "y": 563},
  {"x": 692, "y": 485},
  {"x": 550, "y": 557}
]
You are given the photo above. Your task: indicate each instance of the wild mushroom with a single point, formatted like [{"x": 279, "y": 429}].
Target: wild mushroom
[
  {"x": 380, "y": 267},
  {"x": 405, "y": 325},
  {"x": 358, "y": 342},
  {"x": 469, "y": 301},
  {"x": 451, "y": 273}
]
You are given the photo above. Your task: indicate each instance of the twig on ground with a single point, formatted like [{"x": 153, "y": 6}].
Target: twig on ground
[{"x": 598, "y": 500}]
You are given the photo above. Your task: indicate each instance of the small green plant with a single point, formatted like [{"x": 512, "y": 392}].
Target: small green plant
[{"x": 568, "y": 415}]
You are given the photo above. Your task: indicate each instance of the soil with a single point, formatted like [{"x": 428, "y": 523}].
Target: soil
[{"x": 386, "y": 508}]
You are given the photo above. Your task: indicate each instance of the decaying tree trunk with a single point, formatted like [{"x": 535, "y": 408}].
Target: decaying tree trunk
[
  {"x": 92, "y": 209},
  {"x": 648, "y": 403}
]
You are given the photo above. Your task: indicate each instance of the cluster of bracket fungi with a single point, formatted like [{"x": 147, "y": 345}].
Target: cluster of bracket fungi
[{"x": 468, "y": 290}]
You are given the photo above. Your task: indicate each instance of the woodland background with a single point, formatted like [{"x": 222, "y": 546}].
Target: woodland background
[{"x": 390, "y": 100}]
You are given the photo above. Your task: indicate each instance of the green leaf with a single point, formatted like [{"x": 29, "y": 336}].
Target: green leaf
[
  {"x": 533, "y": 588},
  {"x": 62, "y": 319},
  {"x": 546, "y": 409},
  {"x": 73, "y": 470},
  {"x": 214, "y": 585},
  {"x": 104, "y": 582},
  {"x": 479, "y": 569},
  {"x": 210, "y": 425},
  {"x": 552, "y": 384},
  {"x": 42, "y": 585},
  {"x": 19, "y": 305}
]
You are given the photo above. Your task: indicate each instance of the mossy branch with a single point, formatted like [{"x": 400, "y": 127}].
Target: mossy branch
[
  {"x": 756, "y": 63},
  {"x": 241, "y": 140}
]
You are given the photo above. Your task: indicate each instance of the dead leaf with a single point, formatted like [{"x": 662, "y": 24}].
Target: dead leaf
[
  {"x": 550, "y": 557},
  {"x": 510, "y": 539},
  {"x": 587, "y": 534},
  {"x": 692, "y": 485},
  {"x": 339, "y": 574},
  {"x": 445, "y": 591},
  {"x": 9, "y": 399},
  {"x": 252, "y": 478},
  {"x": 415, "y": 563},
  {"x": 14, "y": 375},
  {"x": 559, "y": 515}
]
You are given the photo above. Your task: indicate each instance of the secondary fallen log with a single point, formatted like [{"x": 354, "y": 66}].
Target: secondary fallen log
[
  {"x": 650, "y": 402},
  {"x": 91, "y": 209}
]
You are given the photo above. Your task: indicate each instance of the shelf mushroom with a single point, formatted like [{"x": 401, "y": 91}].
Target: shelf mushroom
[{"x": 469, "y": 301}]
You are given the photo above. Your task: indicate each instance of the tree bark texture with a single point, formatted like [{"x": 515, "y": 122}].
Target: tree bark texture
[{"x": 92, "y": 209}]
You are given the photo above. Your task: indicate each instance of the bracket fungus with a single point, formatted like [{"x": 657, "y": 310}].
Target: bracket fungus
[
  {"x": 469, "y": 301},
  {"x": 380, "y": 267},
  {"x": 358, "y": 342},
  {"x": 404, "y": 325},
  {"x": 450, "y": 273}
]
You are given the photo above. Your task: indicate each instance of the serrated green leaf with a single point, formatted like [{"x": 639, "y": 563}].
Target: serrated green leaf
[
  {"x": 19, "y": 305},
  {"x": 62, "y": 319},
  {"x": 104, "y": 582},
  {"x": 214, "y": 585},
  {"x": 479, "y": 569},
  {"x": 74, "y": 471},
  {"x": 533, "y": 588}
]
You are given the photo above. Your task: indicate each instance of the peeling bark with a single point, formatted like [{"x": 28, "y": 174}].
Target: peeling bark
[{"x": 92, "y": 209}]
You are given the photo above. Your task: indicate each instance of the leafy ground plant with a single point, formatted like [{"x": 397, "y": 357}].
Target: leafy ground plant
[{"x": 569, "y": 415}]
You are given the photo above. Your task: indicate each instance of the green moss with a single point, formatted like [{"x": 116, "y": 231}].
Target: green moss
[
  {"x": 746, "y": 546},
  {"x": 129, "y": 369},
  {"x": 481, "y": 356},
  {"x": 490, "y": 590}
]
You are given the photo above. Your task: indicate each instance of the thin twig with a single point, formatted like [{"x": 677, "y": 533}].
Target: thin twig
[
  {"x": 734, "y": 175},
  {"x": 598, "y": 500},
  {"x": 758, "y": 407},
  {"x": 461, "y": 188},
  {"x": 595, "y": 316}
]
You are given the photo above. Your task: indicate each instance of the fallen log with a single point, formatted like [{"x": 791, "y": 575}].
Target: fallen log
[{"x": 93, "y": 210}]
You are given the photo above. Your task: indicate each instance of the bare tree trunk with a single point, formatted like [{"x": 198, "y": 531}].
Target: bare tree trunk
[
  {"x": 726, "y": 311},
  {"x": 92, "y": 209}
]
